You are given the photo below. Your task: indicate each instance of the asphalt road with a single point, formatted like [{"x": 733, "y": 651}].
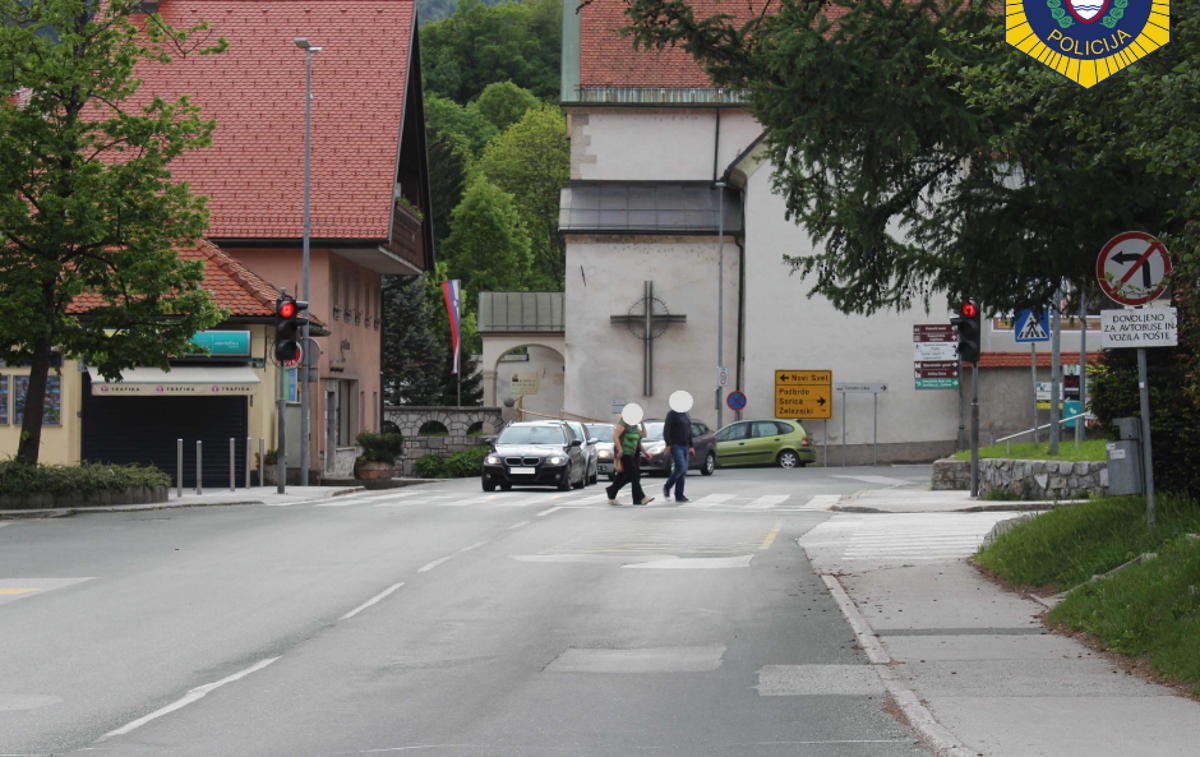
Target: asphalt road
[{"x": 439, "y": 620}]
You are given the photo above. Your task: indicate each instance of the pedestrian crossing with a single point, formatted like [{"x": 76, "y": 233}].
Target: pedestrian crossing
[
  {"x": 723, "y": 501},
  {"x": 910, "y": 538}
]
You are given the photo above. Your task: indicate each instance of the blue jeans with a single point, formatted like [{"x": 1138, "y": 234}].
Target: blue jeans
[{"x": 679, "y": 470}]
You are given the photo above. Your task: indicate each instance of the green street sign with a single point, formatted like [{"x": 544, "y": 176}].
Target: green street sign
[
  {"x": 223, "y": 343},
  {"x": 937, "y": 383}
]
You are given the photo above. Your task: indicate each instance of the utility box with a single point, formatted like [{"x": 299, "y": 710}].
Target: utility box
[{"x": 1125, "y": 458}]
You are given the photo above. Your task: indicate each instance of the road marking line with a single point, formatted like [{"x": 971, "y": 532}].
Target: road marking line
[
  {"x": 473, "y": 546},
  {"x": 547, "y": 512},
  {"x": 17, "y": 591},
  {"x": 193, "y": 695},
  {"x": 430, "y": 566},
  {"x": 709, "y": 501},
  {"x": 381, "y": 595},
  {"x": 768, "y": 501},
  {"x": 522, "y": 523},
  {"x": 822, "y": 502},
  {"x": 767, "y": 542}
]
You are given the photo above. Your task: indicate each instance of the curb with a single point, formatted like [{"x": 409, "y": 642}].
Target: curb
[
  {"x": 61, "y": 512},
  {"x": 935, "y": 735}
]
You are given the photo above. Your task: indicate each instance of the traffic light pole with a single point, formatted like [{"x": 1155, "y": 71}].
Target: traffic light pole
[
  {"x": 1056, "y": 375},
  {"x": 975, "y": 429},
  {"x": 305, "y": 351},
  {"x": 280, "y": 444}
]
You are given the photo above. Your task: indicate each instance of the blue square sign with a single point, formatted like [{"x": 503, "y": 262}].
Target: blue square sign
[{"x": 1032, "y": 327}]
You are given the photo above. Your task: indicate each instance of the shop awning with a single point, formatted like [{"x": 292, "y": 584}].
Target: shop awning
[{"x": 183, "y": 380}]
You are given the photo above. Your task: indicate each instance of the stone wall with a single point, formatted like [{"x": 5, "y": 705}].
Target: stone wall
[
  {"x": 416, "y": 447},
  {"x": 1028, "y": 479},
  {"x": 457, "y": 420},
  {"x": 137, "y": 495}
]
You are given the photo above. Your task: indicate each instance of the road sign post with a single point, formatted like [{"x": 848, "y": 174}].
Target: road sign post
[
  {"x": 804, "y": 394},
  {"x": 872, "y": 389},
  {"x": 1132, "y": 269}
]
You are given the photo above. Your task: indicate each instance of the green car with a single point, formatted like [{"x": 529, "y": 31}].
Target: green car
[{"x": 766, "y": 442}]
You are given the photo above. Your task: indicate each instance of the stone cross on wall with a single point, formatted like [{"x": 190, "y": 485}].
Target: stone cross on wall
[{"x": 648, "y": 319}]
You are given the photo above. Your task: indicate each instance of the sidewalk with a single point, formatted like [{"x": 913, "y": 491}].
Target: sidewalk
[
  {"x": 969, "y": 663},
  {"x": 924, "y": 501}
]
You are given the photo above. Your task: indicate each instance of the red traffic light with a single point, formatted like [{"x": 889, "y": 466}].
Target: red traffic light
[
  {"x": 969, "y": 310},
  {"x": 287, "y": 309}
]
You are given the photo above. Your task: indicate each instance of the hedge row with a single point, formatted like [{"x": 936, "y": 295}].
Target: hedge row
[
  {"x": 464, "y": 464},
  {"x": 17, "y": 479}
]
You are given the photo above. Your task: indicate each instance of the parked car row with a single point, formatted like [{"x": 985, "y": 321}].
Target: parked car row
[{"x": 571, "y": 454}]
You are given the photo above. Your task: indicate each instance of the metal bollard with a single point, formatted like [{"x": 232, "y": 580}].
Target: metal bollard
[
  {"x": 247, "y": 462},
  {"x": 178, "y": 467},
  {"x": 232, "y": 465},
  {"x": 199, "y": 468},
  {"x": 262, "y": 460}
]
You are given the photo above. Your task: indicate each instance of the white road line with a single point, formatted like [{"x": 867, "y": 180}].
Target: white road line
[
  {"x": 519, "y": 525},
  {"x": 822, "y": 502},
  {"x": 381, "y": 595},
  {"x": 473, "y": 546},
  {"x": 768, "y": 501},
  {"x": 709, "y": 501},
  {"x": 547, "y": 512},
  {"x": 430, "y": 566},
  {"x": 881, "y": 480},
  {"x": 194, "y": 695},
  {"x": 2, "y": 525}
]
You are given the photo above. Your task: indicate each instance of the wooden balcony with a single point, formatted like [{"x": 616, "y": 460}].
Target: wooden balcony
[{"x": 408, "y": 237}]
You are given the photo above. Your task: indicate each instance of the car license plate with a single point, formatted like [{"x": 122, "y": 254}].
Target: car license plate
[{"x": 522, "y": 471}]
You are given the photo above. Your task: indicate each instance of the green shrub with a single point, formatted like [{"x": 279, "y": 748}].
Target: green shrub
[
  {"x": 380, "y": 448},
  {"x": 464, "y": 464},
  {"x": 1068, "y": 545},
  {"x": 430, "y": 466},
  {"x": 19, "y": 479},
  {"x": 1174, "y": 415}
]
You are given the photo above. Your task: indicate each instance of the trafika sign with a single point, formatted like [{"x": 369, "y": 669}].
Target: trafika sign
[{"x": 1088, "y": 41}]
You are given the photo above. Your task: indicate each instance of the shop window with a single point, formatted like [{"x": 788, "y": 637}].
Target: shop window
[{"x": 52, "y": 410}]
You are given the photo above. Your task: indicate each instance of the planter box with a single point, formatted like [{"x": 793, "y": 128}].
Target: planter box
[{"x": 372, "y": 471}]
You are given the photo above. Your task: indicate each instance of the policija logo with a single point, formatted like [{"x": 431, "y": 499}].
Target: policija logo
[{"x": 1088, "y": 41}]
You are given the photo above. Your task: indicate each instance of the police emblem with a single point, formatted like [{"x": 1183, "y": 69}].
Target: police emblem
[{"x": 1088, "y": 41}]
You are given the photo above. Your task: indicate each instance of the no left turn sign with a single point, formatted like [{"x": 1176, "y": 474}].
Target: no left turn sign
[{"x": 1132, "y": 268}]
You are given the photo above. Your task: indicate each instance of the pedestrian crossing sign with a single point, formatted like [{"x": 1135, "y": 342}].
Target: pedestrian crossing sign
[{"x": 1032, "y": 327}]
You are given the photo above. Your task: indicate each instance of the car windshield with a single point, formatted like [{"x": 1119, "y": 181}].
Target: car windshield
[
  {"x": 654, "y": 430},
  {"x": 602, "y": 431},
  {"x": 531, "y": 435}
]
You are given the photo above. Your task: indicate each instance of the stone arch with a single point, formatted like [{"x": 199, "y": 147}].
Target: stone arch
[
  {"x": 434, "y": 428},
  {"x": 539, "y": 379}
]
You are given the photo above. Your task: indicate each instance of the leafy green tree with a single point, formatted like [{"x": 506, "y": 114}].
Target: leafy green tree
[
  {"x": 883, "y": 158},
  {"x": 414, "y": 357},
  {"x": 87, "y": 209},
  {"x": 449, "y": 163},
  {"x": 504, "y": 103},
  {"x": 513, "y": 41},
  {"x": 489, "y": 246},
  {"x": 532, "y": 161},
  {"x": 446, "y": 115}
]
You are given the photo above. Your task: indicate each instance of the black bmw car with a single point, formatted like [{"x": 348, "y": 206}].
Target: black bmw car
[{"x": 536, "y": 453}]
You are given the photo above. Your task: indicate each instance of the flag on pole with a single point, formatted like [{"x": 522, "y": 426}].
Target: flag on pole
[{"x": 452, "y": 290}]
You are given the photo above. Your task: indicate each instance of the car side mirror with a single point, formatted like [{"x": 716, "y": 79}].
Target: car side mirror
[
  {"x": 593, "y": 440},
  {"x": 490, "y": 441},
  {"x": 576, "y": 443}
]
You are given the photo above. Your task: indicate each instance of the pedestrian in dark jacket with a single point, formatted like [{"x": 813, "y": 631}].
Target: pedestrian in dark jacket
[{"x": 677, "y": 433}]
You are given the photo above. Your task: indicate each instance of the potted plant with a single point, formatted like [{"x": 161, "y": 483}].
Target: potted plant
[{"x": 378, "y": 458}]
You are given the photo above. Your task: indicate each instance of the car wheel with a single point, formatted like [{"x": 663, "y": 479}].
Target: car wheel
[
  {"x": 788, "y": 459},
  {"x": 487, "y": 487},
  {"x": 582, "y": 481},
  {"x": 505, "y": 487},
  {"x": 710, "y": 464},
  {"x": 565, "y": 484}
]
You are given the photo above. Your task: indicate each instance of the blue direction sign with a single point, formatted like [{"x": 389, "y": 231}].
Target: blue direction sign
[
  {"x": 736, "y": 400},
  {"x": 1031, "y": 327}
]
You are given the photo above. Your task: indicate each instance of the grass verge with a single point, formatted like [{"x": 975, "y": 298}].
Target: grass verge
[
  {"x": 1149, "y": 610},
  {"x": 1068, "y": 545},
  {"x": 1088, "y": 450}
]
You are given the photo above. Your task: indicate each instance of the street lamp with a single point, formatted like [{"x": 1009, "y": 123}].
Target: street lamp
[{"x": 303, "y": 44}]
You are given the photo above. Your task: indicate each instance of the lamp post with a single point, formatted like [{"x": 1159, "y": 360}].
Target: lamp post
[
  {"x": 720, "y": 186},
  {"x": 303, "y": 44}
]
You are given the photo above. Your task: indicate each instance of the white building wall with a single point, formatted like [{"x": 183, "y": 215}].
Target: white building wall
[
  {"x": 604, "y": 360},
  {"x": 632, "y": 144},
  {"x": 785, "y": 330},
  {"x": 547, "y": 365}
]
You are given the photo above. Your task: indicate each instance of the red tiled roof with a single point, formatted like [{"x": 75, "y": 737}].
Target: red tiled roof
[
  {"x": 254, "y": 171},
  {"x": 1021, "y": 359},
  {"x": 233, "y": 285},
  {"x": 607, "y": 59}
]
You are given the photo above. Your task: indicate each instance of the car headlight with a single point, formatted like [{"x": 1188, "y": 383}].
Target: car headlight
[
  {"x": 492, "y": 460},
  {"x": 556, "y": 460},
  {"x": 657, "y": 447},
  {"x": 606, "y": 454}
]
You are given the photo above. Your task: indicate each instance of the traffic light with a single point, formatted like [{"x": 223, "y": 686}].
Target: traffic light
[
  {"x": 289, "y": 317},
  {"x": 968, "y": 324}
]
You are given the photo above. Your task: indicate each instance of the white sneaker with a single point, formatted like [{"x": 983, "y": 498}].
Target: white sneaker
[{"x": 612, "y": 501}]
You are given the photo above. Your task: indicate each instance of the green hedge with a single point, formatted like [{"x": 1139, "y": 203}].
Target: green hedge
[
  {"x": 464, "y": 464},
  {"x": 19, "y": 479}
]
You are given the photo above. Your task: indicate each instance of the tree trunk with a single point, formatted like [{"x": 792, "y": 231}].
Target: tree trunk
[{"x": 35, "y": 403}]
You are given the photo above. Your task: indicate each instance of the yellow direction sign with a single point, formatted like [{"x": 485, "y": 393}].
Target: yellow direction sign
[{"x": 804, "y": 394}]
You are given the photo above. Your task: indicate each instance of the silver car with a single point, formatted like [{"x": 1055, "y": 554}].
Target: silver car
[
  {"x": 591, "y": 453},
  {"x": 606, "y": 463}
]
